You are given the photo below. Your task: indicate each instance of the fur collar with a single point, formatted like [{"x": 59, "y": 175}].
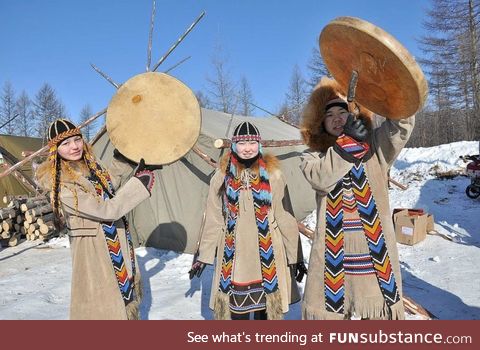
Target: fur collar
[
  {"x": 313, "y": 132},
  {"x": 271, "y": 161}
]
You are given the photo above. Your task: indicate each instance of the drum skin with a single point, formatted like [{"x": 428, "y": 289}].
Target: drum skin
[
  {"x": 390, "y": 82},
  {"x": 153, "y": 116}
]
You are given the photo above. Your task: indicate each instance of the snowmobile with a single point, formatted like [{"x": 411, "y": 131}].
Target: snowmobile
[{"x": 473, "y": 172}]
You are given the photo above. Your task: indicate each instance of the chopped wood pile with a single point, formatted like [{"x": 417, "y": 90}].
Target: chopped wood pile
[{"x": 29, "y": 217}]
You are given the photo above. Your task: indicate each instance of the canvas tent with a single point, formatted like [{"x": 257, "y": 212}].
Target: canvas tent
[
  {"x": 12, "y": 147},
  {"x": 172, "y": 217}
]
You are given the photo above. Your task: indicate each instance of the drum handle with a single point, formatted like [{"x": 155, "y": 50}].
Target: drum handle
[{"x": 352, "y": 86}]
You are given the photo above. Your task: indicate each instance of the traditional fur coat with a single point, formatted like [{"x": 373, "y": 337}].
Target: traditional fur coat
[
  {"x": 95, "y": 292},
  {"x": 353, "y": 266},
  {"x": 246, "y": 272}
]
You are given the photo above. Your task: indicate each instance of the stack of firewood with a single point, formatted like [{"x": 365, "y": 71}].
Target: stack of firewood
[{"x": 29, "y": 217}]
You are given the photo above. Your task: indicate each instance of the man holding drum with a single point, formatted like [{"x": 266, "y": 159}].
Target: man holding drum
[{"x": 353, "y": 268}]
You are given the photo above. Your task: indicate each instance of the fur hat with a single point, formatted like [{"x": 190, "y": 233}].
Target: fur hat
[
  {"x": 246, "y": 131},
  {"x": 60, "y": 130},
  {"x": 326, "y": 94}
]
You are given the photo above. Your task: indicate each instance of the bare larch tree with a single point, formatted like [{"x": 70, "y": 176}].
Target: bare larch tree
[
  {"x": 25, "y": 120},
  {"x": 7, "y": 109},
  {"x": 245, "y": 98}
]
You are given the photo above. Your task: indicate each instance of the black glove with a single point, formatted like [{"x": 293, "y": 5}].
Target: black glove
[
  {"x": 355, "y": 128},
  {"x": 299, "y": 270},
  {"x": 118, "y": 155},
  {"x": 197, "y": 269},
  {"x": 147, "y": 177}
]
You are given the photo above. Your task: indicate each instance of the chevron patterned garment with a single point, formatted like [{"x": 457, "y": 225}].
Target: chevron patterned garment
[
  {"x": 334, "y": 252},
  {"x": 247, "y": 298},
  {"x": 125, "y": 282},
  {"x": 374, "y": 234},
  {"x": 352, "y": 194},
  {"x": 350, "y": 145},
  {"x": 262, "y": 199}
]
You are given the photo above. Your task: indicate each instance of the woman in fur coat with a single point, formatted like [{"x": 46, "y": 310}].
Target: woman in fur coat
[
  {"x": 353, "y": 267},
  {"x": 250, "y": 232},
  {"x": 105, "y": 274}
]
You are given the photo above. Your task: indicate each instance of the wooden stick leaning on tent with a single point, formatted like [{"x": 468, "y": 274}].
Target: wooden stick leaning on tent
[
  {"x": 10, "y": 158},
  {"x": 225, "y": 143}
]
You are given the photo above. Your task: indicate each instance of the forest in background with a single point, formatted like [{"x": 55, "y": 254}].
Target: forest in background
[{"x": 450, "y": 61}]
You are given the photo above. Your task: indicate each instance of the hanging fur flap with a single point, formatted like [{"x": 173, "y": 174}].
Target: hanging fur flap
[
  {"x": 221, "y": 308},
  {"x": 274, "y": 306}
]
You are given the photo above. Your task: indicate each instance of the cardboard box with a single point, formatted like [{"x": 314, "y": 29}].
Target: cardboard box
[
  {"x": 430, "y": 223},
  {"x": 410, "y": 227}
]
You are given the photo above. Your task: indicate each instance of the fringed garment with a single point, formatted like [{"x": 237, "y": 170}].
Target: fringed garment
[
  {"x": 355, "y": 245},
  {"x": 251, "y": 295},
  {"x": 126, "y": 283}
]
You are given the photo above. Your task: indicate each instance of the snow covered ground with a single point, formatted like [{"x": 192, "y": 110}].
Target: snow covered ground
[{"x": 440, "y": 274}]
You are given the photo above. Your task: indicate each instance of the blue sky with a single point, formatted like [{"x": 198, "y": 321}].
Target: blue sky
[{"x": 55, "y": 41}]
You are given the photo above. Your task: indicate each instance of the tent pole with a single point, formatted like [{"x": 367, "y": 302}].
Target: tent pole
[
  {"x": 176, "y": 65},
  {"x": 225, "y": 143},
  {"x": 204, "y": 156},
  {"x": 179, "y": 40},
  {"x": 104, "y": 75},
  {"x": 150, "y": 35},
  {"x": 18, "y": 172}
]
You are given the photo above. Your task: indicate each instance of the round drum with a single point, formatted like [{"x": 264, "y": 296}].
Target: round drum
[
  {"x": 390, "y": 82},
  {"x": 154, "y": 116}
]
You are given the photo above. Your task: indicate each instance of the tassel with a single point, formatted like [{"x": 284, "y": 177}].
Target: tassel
[
  {"x": 274, "y": 306},
  {"x": 221, "y": 308}
]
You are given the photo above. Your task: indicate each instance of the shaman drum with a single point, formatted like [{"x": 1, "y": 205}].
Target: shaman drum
[
  {"x": 390, "y": 82},
  {"x": 154, "y": 116}
]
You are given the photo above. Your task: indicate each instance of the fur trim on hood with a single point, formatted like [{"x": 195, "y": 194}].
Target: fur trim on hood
[
  {"x": 271, "y": 161},
  {"x": 313, "y": 132}
]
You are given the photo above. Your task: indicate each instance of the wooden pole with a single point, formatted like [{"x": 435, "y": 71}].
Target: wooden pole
[
  {"x": 398, "y": 184},
  {"x": 104, "y": 75},
  {"x": 416, "y": 309},
  {"x": 179, "y": 40},
  {"x": 23, "y": 176},
  {"x": 150, "y": 36},
  {"x": 28, "y": 153},
  {"x": 177, "y": 64},
  {"x": 225, "y": 143},
  {"x": 204, "y": 156}
]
